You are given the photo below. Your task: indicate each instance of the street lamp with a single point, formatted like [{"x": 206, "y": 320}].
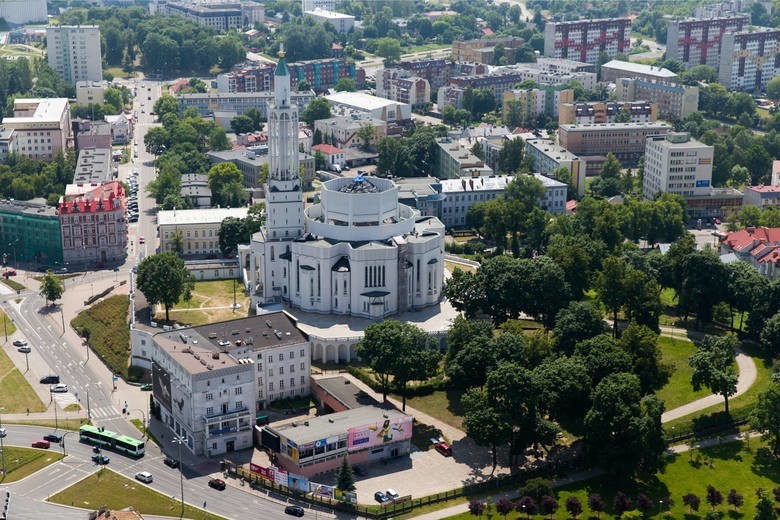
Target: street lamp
[
  {"x": 86, "y": 344},
  {"x": 89, "y": 412},
  {"x": 178, "y": 439},
  {"x": 62, "y": 442},
  {"x": 2, "y": 447}
]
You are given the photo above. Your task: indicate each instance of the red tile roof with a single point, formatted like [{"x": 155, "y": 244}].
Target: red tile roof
[
  {"x": 749, "y": 239},
  {"x": 97, "y": 200},
  {"x": 327, "y": 149},
  {"x": 764, "y": 189}
]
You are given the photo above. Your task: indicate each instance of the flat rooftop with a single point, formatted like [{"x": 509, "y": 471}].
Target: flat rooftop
[
  {"x": 93, "y": 166},
  {"x": 615, "y": 126},
  {"x": 551, "y": 149},
  {"x": 639, "y": 68},
  {"x": 198, "y": 216},
  {"x": 345, "y": 392},
  {"x": 498, "y": 183},
  {"x": 47, "y": 110},
  {"x": 361, "y": 100},
  {"x": 324, "y": 426}
]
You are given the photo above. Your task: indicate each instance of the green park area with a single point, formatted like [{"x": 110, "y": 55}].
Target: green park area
[
  {"x": 104, "y": 324},
  {"x": 8, "y": 327},
  {"x": 112, "y": 490},
  {"x": 21, "y": 462},
  {"x": 18, "y": 397},
  {"x": 210, "y": 303}
]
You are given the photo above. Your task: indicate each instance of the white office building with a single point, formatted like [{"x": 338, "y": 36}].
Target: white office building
[
  {"x": 199, "y": 229},
  {"x": 548, "y": 157},
  {"x": 357, "y": 252},
  {"x": 74, "y": 52},
  {"x": 676, "y": 163},
  {"x": 20, "y": 12},
  {"x": 343, "y": 23},
  {"x": 325, "y": 5}
]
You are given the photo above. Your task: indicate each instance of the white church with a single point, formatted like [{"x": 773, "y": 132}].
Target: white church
[{"x": 358, "y": 252}]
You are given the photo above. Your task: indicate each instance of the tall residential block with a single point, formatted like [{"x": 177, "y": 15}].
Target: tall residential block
[
  {"x": 585, "y": 40},
  {"x": 530, "y": 103},
  {"x": 676, "y": 163},
  {"x": 74, "y": 52},
  {"x": 695, "y": 41},
  {"x": 749, "y": 59},
  {"x": 674, "y": 101},
  {"x": 625, "y": 140},
  {"x": 20, "y": 12}
]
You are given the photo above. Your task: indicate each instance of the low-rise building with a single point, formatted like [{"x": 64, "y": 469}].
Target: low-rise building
[
  {"x": 612, "y": 70},
  {"x": 674, "y": 101},
  {"x": 29, "y": 232},
  {"x": 758, "y": 246},
  {"x": 333, "y": 156},
  {"x": 92, "y": 134},
  {"x": 400, "y": 85},
  {"x": 453, "y": 161},
  {"x": 625, "y": 140},
  {"x": 121, "y": 128},
  {"x": 379, "y": 108},
  {"x": 195, "y": 190},
  {"x": 458, "y": 195},
  {"x": 90, "y": 92},
  {"x": 606, "y": 112},
  {"x": 6, "y": 143},
  {"x": 198, "y": 228},
  {"x": 93, "y": 168},
  {"x": 220, "y": 16},
  {"x": 483, "y": 51},
  {"x": 94, "y": 227},
  {"x": 236, "y": 103},
  {"x": 717, "y": 202},
  {"x": 548, "y": 157},
  {"x": 252, "y": 163},
  {"x": 762, "y": 196},
  {"x": 342, "y": 131},
  {"x": 676, "y": 163},
  {"x": 554, "y": 198},
  {"x": 343, "y": 23},
  {"x": 42, "y": 127}
]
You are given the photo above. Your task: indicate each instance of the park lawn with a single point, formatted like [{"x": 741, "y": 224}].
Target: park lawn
[
  {"x": 62, "y": 424},
  {"x": 17, "y": 394},
  {"x": 444, "y": 405},
  {"x": 13, "y": 284},
  {"x": 427, "y": 47},
  {"x": 678, "y": 390},
  {"x": 210, "y": 303},
  {"x": 107, "y": 488},
  {"x": 8, "y": 327},
  {"x": 22, "y": 462},
  {"x": 72, "y": 408},
  {"x": 733, "y": 465},
  {"x": 451, "y": 266},
  {"x": 105, "y": 326}
]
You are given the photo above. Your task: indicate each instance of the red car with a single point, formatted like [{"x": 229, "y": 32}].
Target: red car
[
  {"x": 41, "y": 444},
  {"x": 9, "y": 272},
  {"x": 443, "y": 448}
]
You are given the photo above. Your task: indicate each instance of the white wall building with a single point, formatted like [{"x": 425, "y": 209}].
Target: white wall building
[
  {"x": 549, "y": 156},
  {"x": 554, "y": 198},
  {"x": 461, "y": 194},
  {"x": 749, "y": 59},
  {"x": 41, "y": 127},
  {"x": 74, "y": 52},
  {"x": 380, "y": 108},
  {"x": 677, "y": 163},
  {"x": 342, "y": 22},
  {"x": 20, "y": 12},
  {"x": 326, "y": 5},
  {"x": 90, "y": 92},
  {"x": 199, "y": 228}
]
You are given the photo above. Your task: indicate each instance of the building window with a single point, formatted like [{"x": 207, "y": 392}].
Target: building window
[
  {"x": 303, "y": 365},
  {"x": 303, "y": 352},
  {"x": 281, "y": 384},
  {"x": 210, "y": 411},
  {"x": 292, "y": 354},
  {"x": 281, "y": 357},
  {"x": 281, "y": 371},
  {"x": 239, "y": 405},
  {"x": 209, "y": 396},
  {"x": 303, "y": 380},
  {"x": 292, "y": 382},
  {"x": 238, "y": 390},
  {"x": 292, "y": 368}
]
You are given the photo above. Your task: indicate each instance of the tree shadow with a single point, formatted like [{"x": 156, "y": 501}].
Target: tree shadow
[
  {"x": 736, "y": 515},
  {"x": 766, "y": 464}
]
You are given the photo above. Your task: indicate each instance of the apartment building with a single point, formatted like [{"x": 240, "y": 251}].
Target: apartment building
[
  {"x": 6, "y": 143},
  {"x": 676, "y": 163},
  {"x": 749, "y": 58},
  {"x": 435, "y": 70},
  {"x": 238, "y": 102},
  {"x": 762, "y": 196},
  {"x": 195, "y": 190},
  {"x": 625, "y": 140},
  {"x": 252, "y": 162},
  {"x": 74, "y": 52},
  {"x": 199, "y": 229},
  {"x": 453, "y": 161},
  {"x": 400, "y": 85},
  {"x": 697, "y": 41},
  {"x": 219, "y": 16},
  {"x": 460, "y": 194},
  {"x": 548, "y": 157},
  {"x": 534, "y": 102},
  {"x": 606, "y": 112},
  {"x": 612, "y": 70},
  {"x": 94, "y": 227},
  {"x": 93, "y": 168},
  {"x": 483, "y": 51},
  {"x": 42, "y": 127},
  {"x": 21, "y": 12},
  {"x": 29, "y": 232},
  {"x": 321, "y": 75},
  {"x": 311, "y": 5},
  {"x": 90, "y": 92},
  {"x": 674, "y": 101},
  {"x": 585, "y": 40},
  {"x": 343, "y": 23}
]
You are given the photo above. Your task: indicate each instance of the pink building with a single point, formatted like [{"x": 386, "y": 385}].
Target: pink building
[{"x": 41, "y": 127}]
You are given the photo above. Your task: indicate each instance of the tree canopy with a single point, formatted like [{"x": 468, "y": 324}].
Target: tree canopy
[{"x": 163, "y": 279}]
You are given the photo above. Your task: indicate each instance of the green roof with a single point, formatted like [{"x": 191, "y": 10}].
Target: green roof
[{"x": 281, "y": 68}]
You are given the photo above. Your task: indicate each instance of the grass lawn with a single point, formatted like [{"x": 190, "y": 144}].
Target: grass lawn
[
  {"x": 105, "y": 324},
  {"x": 107, "y": 488},
  {"x": 21, "y": 462},
  {"x": 427, "y": 47},
  {"x": 451, "y": 266},
  {"x": 678, "y": 389},
  {"x": 445, "y": 405},
  {"x": 119, "y": 72},
  {"x": 17, "y": 395},
  {"x": 9, "y": 327},
  {"x": 72, "y": 408},
  {"x": 210, "y": 303},
  {"x": 16, "y": 286},
  {"x": 62, "y": 424}
]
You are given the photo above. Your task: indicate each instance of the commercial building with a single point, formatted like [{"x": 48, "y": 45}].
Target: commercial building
[
  {"x": 674, "y": 101},
  {"x": 626, "y": 141},
  {"x": 219, "y": 16},
  {"x": 195, "y": 190},
  {"x": 29, "y": 233},
  {"x": 251, "y": 163},
  {"x": 311, "y": 5},
  {"x": 453, "y": 161},
  {"x": 21, "y": 12},
  {"x": 218, "y": 375},
  {"x": 749, "y": 58},
  {"x": 363, "y": 435},
  {"x": 377, "y": 107},
  {"x": 676, "y": 163},
  {"x": 606, "y": 112},
  {"x": 762, "y": 196},
  {"x": 92, "y": 134},
  {"x": 400, "y": 85},
  {"x": 42, "y": 127},
  {"x": 612, "y": 70},
  {"x": 235, "y": 104},
  {"x": 534, "y": 102},
  {"x": 74, "y": 52},
  {"x": 697, "y": 41},
  {"x": 94, "y": 227},
  {"x": 342, "y": 131},
  {"x": 90, "y": 92},
  {"x": 321, "y": 75},
  {"x": 548, "y": 157},
  {"x": 717, "y": 202},
  {"x": 585, "y": 40},
  {"x": 93, "y": 168},
  {"x": 199, "y": 229},
  {"x": 483, "y": 51},
  {"x": 343, "y": 23}
]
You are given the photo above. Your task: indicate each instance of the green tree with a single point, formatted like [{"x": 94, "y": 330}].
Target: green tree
[
  {"x": 641, "y": 343},
  {"x": 177, "y": 242},
  {"x": 380, "y": 347},
  {"x": 232, "y": 232},
  {"x": 415, "y": 360},
  {"x": 389, "y": 49},
  {"x": 770, "y": 336},
  {"x": 51, "y": 288},
  {"x": 366, "y": 133},
  {"x": 773, "y": 88},
  {"x": 511, "y": 155},
  {"x": 225, "y": 182},
  {"x": 318, "y": 108},
  {"x": 484, "y": 423},
  {"x": 749, "y": 216},
  {"x": 765, "y": 510},
  {"x": 577, "y": 322},
  {"x": 241, "y": 124},
  {"x": 166, "y": 104},
  {"x": 609, "y": 284},
  {"x": 765, "y": 417},
  {"x": 345, "y": 477},
  {"x": 345, "y": 85},
  {"x": 164, "y": 279},
  {"x": 713, "y": 366}
]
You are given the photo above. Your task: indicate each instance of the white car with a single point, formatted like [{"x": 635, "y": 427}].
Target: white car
[
  {"x": 60, "y": 388},
  {"x": 3, "y": 433},
  {"x": 392, "y": 494},
  {"x": 144, "y": 476}
]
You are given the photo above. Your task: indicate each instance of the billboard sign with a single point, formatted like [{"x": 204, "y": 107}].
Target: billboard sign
[
  {"x": 705, "y": 183},
  {"x": 161, "y": 386},
  {"x": 321, "y": 490},
  {"x": 298, "y": 482},
  {"x": 378, "y": 434}
]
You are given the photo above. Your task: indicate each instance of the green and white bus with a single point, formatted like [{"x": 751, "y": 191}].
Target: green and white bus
[{"x": 109, "y": 440}]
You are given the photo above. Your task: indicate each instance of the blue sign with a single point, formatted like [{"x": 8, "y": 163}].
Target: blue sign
[
  {"x": 320, "y": 443},
  {"x": 703, "y": 184}
]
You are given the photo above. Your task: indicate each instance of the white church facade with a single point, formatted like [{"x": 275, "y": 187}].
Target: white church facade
[{"x": 357, "y": 252}]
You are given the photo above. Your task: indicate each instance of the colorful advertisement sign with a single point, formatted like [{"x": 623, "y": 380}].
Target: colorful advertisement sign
[
  {"x": 161, "y": 386},
  {"x": 298, "y": 482},
  {"x": 381, "y": 433},
  {"x": 321, "y": 490},
  {"x": 280, "y": 477}
]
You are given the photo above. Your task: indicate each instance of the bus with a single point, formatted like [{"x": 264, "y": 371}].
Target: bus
[{"x": 109, "y": 440}]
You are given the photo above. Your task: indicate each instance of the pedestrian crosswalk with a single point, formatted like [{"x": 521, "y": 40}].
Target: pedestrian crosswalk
[{"x": 103, "y": 412}]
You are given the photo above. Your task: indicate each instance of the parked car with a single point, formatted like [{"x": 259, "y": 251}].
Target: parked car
[
  {"x": 141, "y": 240},
  {"x": 20, "y": 343},
  {"x": 133, "y": 219},
  {"x": 9, "y": 272},
  {"x": 380, "y": 497},
  {"x": 61, "y": 270},
  {"x": 3, "y": 432},
  {"x": 443, "y": 448},
  {"x": 50, "y": 380},
  {"x": 171, "y": 462},
  {"x": 147, "y": 387},
  {"x": 41, "y": 444},
  {"x": 59, "y": 388},
  {"x": 392, "y": 494},
  {"x": 144, "y": 476},
  {"x": 53, "y": 437},
  {"x": 294, "y": 510},
  {"x": 217, "y": 483},
  {"x": 25, "y": 349},
  {"x": 100, "y": 459}
]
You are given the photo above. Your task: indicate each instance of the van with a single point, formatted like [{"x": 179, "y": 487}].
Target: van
[
  {"x": 50, "y": 380},
  {"x": 144, "y": 476}
]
